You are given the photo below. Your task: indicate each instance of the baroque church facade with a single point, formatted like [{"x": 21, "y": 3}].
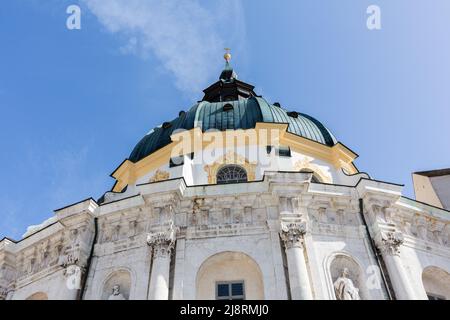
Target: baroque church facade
[{"x": 236, "y": 198}]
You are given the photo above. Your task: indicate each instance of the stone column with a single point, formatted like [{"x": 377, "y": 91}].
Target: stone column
[
  {"x": 3, "y": 293},
  {"x": 7, "y": 281},
  {"x": 389, "y": 245},
  {"x": 292, "y": 236},
  {"x": 162, "y": 244},
  {"x": 75, "y": 265}
]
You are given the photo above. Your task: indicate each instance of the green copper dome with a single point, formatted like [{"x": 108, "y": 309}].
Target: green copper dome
[{"x": 231, "y": 104}]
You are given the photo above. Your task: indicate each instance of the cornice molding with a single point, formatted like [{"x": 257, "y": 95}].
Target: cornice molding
[{"x": 338, "y": 155}]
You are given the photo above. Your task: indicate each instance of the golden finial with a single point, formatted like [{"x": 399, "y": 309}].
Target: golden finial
[{"x": 227, "y": 55}]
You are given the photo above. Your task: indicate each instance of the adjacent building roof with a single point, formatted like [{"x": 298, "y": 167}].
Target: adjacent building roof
[{"x": 433, "y": 187}]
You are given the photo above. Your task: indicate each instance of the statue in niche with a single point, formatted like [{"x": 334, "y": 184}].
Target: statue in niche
[
  {"x": 116, "y": 294},
  {"x": 344, "y": 287}
]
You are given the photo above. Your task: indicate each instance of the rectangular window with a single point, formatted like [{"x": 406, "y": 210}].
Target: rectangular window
[
  {"x": 233, "y": 290},
  {"x": 283, "y": 151}
]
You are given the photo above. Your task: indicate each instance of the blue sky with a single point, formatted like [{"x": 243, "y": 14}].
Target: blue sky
[{"x": 74, "y": 103}]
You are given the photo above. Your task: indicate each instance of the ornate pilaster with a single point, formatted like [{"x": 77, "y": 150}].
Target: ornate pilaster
[
  {"x": 69, "y": 259},
  {"x": 390, "y": 242},
  {"x": 74, "y": 261},
  {"x": 162, "y": 243},
  {"x": 8, "y": 274},
  {"x": 74, "y": 250},
  {"x": 6, "y": 291},
  {"x": 3, "y": 293},
  {"x": 292, "y": 234}
]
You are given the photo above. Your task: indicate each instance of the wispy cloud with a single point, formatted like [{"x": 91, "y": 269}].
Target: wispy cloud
[{"x": 187, "y": 36}]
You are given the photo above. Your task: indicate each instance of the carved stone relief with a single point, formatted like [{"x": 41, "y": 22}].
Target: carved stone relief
[
  {"x": 306, "y": 164},
  {"x": 162, "y": 242},
  {"x": 390, "y": 242},
  {"x": 292, "y": 234},
  {"x": 160, "y": 176}
]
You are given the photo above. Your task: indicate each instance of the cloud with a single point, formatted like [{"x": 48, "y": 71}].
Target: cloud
[{"x": 186, "y": 36}]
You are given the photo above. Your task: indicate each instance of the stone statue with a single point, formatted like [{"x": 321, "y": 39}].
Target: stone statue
[
  {"x": 116, "y": 295},
  {"x": 344, "y": 287}
]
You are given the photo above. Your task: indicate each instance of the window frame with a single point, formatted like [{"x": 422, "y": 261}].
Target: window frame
[
  {"x": 231, "y": 181},
  {"x": 230, "y": 293},
  {"x": 283, "y": 149}
]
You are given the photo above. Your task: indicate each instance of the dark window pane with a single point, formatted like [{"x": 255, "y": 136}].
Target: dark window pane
[
  {"x": 223, "y": 290},
  {"x": 237, "y": 289},
  {"x": 284, "y": 151},
  {"x": 231, "y": 174}
]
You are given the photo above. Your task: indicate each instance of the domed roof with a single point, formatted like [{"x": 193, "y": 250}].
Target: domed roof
[{"x": 242, "y": 110}]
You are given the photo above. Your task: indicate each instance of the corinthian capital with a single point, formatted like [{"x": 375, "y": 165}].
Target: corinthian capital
[
  {"x": 3, "y": 293},
  {"x": 162, "y": 242},
  {"x": 292, "y": 233},
  {"x": 70, "y": 258},
  {"x": 390, "y": 242}
]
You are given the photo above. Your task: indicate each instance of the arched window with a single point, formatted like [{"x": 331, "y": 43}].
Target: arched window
[
  {"x": 436, "y": 282},
  {"x": 231, "y": 174},
  {"x": 315, "y": 178},
  {"x": 229, "y": 275},
  {"x": 38, "y": 296}
]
